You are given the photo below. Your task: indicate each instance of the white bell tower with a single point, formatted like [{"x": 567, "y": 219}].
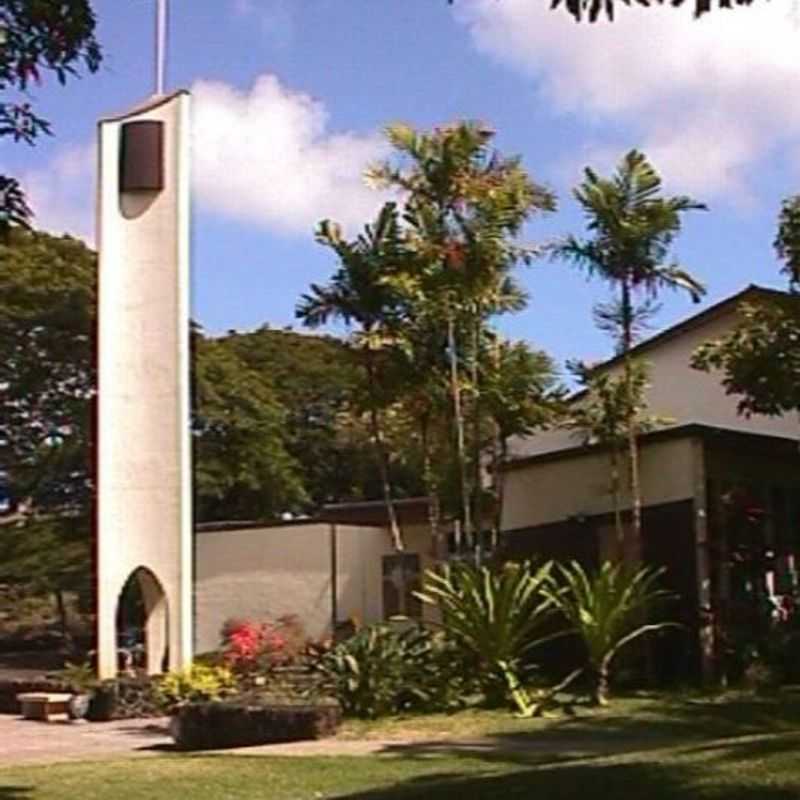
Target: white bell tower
[{"x": 144, "y": 477}]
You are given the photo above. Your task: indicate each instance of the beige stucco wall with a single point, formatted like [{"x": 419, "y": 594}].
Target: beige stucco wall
[
  {"x": 144, "y": 508},
  {"x": 554, "y": 490},
  {"x": 270, "y": 571},
  {"x": 688, "y": 395},
  {"x": 678, "y": 392},
  {"x": 256, "y": 573}
]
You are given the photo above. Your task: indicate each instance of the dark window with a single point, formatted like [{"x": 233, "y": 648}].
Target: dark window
[{"x": 401, "y": 578}]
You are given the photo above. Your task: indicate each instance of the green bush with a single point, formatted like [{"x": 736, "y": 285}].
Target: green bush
[
  {"x": 384, "y": 669},
  {"x": 198, "y": 682},
  {"x": 607, "y": 610},
  {"x": 496, "y": 617}
]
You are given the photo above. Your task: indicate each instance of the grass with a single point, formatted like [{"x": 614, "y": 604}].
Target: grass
[
  {"x": 736, "y": 748},
  {"x": 656, "y": 716}
]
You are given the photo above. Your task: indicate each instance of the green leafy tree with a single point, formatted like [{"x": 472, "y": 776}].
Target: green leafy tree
[
  {"x": 37, "y": 37},
  {"x": 632, "y": 228},
  {"x": 315, "y": 379},
  {"x": 605, "y": 610},
  {"x": 521, "y": 396},
  {"x": 359, "y": 295},
  {"x": 601, "y": 416},
  {"x": 759, "y": 359},
  {"x": 48, "y": 556},
  {"x": 464, "y": 205},
  {"x": 47, "y": 380},
  {"x": 243, "y": 469}
]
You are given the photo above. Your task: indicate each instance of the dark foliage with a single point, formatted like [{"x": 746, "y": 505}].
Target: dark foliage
[{"x": 592, "y": 10}]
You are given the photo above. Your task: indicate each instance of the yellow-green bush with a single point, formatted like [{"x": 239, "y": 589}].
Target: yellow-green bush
[{"x": 198, "y": 682}]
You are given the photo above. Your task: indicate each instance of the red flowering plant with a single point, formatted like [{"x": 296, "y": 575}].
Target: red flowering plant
[{"x": 251, "y": 647}]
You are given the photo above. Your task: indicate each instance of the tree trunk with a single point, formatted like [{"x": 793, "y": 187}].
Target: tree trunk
[
  {"x": 432, "y": 490},
  {"x": 63, "y": 621},
  {"x": 601, "y": 686},
  {"x": 458, "y": 414},
  {"x": 501, "y": 444},
  {"x": 477, "y": 474},
  {"x": 633, "y": 449},
  {"x": 383, "y": 460},
  {"x": 620, "y": 531}
]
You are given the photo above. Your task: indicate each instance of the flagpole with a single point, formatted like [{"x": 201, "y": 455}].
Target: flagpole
[{"x": 161, "y": 44}]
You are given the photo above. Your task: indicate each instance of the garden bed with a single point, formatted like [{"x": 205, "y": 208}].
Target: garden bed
[{"x": 252, "y": 721}]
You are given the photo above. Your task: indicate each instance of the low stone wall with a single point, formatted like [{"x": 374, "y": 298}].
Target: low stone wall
[{"x": 214, "y": 725}]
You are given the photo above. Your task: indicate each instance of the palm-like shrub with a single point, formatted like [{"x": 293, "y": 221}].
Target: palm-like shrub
[
  {"x": 497, "y": 617},
  {"x": 384, "y": 669},
  {"x": 606, "y": 610}
]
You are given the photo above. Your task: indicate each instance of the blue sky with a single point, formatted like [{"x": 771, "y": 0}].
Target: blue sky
[{"x": 291, "y": 97}]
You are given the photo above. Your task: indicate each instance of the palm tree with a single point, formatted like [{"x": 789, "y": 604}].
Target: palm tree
[
  {"x": 632, "y": 229},
  {"x": 522, "y": 396},
  {"x": 600, "y": 417},
  {"x": 358, "y": 294},
  {"x": 605, "y": 610},
  {"x": 464, "y": 206}
]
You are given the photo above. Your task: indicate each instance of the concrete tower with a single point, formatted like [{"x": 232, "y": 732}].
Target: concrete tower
[{"x": 144, "y": 514}]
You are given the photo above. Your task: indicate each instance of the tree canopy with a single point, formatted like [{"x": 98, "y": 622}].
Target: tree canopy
[
  {"x": 37, "y": 38},
  {"x": 592, "y": 10},
  {"x": 760, "y": 358},
  {"x": 47, "y": 381}
]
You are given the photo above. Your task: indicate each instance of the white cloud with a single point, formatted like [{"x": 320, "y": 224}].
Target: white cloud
[
  {"x": 705, "y": 98},
  {"x": 263, "y": 156},
  {"x": 62, "y": 193},
  {"x": 266, "y": 156}
]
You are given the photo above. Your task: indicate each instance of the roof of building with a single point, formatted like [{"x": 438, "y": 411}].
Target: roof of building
[
  {"x": 369, "y": 513},
  {"x": 779, "y": 445},
  {"x": 748, "y": 294}
]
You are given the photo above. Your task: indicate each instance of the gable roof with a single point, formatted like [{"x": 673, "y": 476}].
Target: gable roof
[{"x": 727, "y": 304}]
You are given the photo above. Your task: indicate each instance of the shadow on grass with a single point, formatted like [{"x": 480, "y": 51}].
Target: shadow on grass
[
  {"x": 675, "y": 723},
  {"x": 15, "y": 792},
  {"x": 763, "y": 770}
]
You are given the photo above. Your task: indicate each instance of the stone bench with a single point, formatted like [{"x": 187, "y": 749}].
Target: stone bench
[{"x": 40, "y": 705}]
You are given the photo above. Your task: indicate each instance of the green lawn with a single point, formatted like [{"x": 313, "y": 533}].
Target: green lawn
[{"x": 737, "y": 749}]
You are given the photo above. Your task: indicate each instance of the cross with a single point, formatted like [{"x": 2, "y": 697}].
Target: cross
[{"x": 161, "y": 44}]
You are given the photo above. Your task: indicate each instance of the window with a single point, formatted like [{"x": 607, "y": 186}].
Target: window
[{"x": 401, "y": 578}]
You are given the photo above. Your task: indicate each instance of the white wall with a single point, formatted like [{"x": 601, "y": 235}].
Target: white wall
[
  {"x": 688, "y": 395},
  {"x": 679, "y": 392},
  {"x": 554, "y": 490},
  {"x": 267, "y": 572}
]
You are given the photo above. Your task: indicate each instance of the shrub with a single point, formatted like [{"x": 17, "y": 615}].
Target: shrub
[
  {"x": 606, "y": 610},
  {"x": 496, "y": 617},
  {"x": 250, "y": 646},
  {"x": 198, "y": 682},
  {"x": 126, "y": 698},
  {"x": 383, "y": 669}
]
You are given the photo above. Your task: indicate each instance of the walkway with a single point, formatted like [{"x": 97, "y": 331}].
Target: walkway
[{"x": 25, "y": 742}]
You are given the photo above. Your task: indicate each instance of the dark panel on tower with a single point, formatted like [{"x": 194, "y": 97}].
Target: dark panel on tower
[{"x": 141, "y": 157}]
